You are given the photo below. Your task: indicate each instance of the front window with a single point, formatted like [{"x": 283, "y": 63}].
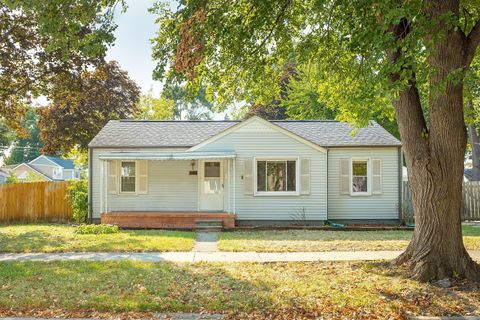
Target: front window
[
  {"x": 359, "y": 176},
  {"x": 276, "y": 176},
  {"x": 128, "y": 176}
]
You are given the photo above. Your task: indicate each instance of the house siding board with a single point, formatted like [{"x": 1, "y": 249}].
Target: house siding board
[
  {"x": 381, "y": 206},
  {"x": 67, "y": 174},
  {"x": 170, "y": 187},
  {"x": 254, "y": 140},
  {"x": 44, "y": 168},
  {"x": 43, "y": 161}
]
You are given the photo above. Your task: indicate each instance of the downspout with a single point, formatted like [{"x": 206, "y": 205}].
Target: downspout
[
  {"x": 90, "y": 177},
  {"x": 328, "y": 149},
  {"x": 400, "y": 184}
]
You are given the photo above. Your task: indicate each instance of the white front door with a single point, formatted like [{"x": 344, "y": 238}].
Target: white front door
[{"x": 211, "y": 185}]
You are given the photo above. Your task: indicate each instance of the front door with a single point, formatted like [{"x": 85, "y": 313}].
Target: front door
[{"x": 211, "y": 185}]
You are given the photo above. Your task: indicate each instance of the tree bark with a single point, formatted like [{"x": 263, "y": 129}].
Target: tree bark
[
  {"x": 434, "y": 156},
  {"x": 475, "y": 142}
]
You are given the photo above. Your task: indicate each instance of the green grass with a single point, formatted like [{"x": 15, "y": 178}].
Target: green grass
[
  {"x": 286, "y": 290},
  {"x": 61, "y": 238},
  {"x": 321, "y": 240}
]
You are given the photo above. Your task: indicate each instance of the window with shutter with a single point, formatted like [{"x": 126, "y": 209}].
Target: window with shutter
[
  {"x": 377, "y": 176},
  {"x": 305, "y": 176},
  {"x": 112, "y": 177},
  {"x": 344, "y": 176},
  {"x": 142, "y": 176},
  {"x": 247, "y": 176}
]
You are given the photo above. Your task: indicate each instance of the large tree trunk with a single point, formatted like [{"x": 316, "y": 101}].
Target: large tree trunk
[
  {"x": 475, "y": 141},
  {"x": 434, "y": 156}
]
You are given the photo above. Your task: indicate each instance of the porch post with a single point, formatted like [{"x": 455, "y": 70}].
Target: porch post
[
  {"x": 234, "y": 191},
  {"x": 106, "y": 184},
  {"x": 229, "y": 180},
  {"x": 101, "y": 187}
]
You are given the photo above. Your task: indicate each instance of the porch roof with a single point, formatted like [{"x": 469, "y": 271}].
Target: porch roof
[{"x": 193, "y": 155}]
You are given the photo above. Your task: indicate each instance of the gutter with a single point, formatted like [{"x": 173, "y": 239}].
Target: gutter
[{"x": 90, "y": 177}]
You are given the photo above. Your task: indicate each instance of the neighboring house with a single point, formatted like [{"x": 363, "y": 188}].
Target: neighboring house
[
  {"x": 4, "y": 174},
  {"x": 257, "y": 172},
  {"x": 47, "y": 168}
]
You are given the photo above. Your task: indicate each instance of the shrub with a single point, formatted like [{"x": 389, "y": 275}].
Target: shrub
[
  {"x": 96, "y": 229},
  {"x": 77, "y": 195}
]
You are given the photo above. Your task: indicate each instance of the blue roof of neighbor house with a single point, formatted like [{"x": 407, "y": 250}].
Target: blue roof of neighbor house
[{"x": 65, "y": 163}]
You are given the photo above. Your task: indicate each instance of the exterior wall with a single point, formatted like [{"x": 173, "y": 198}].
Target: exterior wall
[
  {"x": 68, "y": 174},
  {"x": 374, "y": 207},
  {"x": 22, "y": 171},
  {"x": 259, "y": 140},
  {"x": 46, "y": 169},
  {"x": 42, "y": 161},
  {"x": 170, "y": 187}
]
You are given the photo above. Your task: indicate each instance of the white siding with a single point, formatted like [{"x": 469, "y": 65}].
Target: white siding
[
  {"x": 258, "y": 140},
  {"x": 43, "y": 161},
  {"x": 68, "y": 174},
  {"x": 382, "y": 206},
  {"x": 170, "y": 187}
]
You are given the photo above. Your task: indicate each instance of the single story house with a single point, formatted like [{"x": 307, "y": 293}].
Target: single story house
[
  {"x": 251, "y": 172},
  {"x": 47, "y": 168}
]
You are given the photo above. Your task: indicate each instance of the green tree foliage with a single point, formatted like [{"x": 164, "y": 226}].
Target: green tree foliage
[
  {"x": 42, "y": 39},
  {"x": 414, "y": 54},
  {"x": 12, "y": 178},
  {"x": 81, "y": 106},
  {"x": 6, "y": 137},
  {"x": 26, "y": 147},
  {"x": 188, "y": 104},
  {"x": 77, "y": 196},
  {"x": 151, "y": 108}
]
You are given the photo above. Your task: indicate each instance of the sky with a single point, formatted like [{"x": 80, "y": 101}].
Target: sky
[{"x": 132, "y": 47}]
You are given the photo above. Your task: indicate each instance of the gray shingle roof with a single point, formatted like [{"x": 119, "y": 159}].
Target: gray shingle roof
[{"x": 126, "y": 133}]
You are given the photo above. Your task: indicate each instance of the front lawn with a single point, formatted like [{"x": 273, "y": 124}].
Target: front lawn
[
  {"x": 285, "y": 290},
  {"x": 321, "y": 240},
  {"x": 61, "y": 238}
]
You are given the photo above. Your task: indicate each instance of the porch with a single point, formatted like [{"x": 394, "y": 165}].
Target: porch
[
  {"x": 165, "y": 219},
  {"x": 167, "y": 190}
]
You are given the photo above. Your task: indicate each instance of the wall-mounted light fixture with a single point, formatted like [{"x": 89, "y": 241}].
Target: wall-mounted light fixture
[{"x": 193, "y": 172}]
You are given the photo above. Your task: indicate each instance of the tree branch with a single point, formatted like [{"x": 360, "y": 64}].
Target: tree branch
[
  {"x": 274, "y": 25},
  {"x": 473, "y": 40}
]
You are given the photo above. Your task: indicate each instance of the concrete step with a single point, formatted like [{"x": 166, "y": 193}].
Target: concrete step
[
  {"x": 212, "y": 223},
  {"x": 208, "y": 228}
]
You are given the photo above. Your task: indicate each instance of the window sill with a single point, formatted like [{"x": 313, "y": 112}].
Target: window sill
[
  {"x": 276, "y": 194},
  {"x": 360, "y": 194}
]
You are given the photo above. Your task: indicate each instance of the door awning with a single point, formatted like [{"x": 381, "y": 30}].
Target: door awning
[{"x": 194, "y": 155}]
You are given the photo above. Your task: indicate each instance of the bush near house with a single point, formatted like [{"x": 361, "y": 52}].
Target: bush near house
[
  {"x": 77, "y": 195},
  {"x": 96, "y": 229}
]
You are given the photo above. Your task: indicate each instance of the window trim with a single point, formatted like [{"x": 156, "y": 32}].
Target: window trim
[
  {"x": 369, "y": 177},
  {"x": 257, "y": 193},
  {"x": 120, "y": 178}
]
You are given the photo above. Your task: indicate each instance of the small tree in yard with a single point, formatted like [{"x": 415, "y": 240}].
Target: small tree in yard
[
  {"x": 414, "y": 53},
  {"x": 78, "y": 198}
]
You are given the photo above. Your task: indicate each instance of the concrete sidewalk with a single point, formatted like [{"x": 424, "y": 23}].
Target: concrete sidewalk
[{"x": 212, "y": 256}]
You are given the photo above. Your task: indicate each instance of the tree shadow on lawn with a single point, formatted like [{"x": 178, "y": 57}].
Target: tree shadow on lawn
[
  {"x": 430, "y": 299},
  {"x": 317, "y": 235},
  {"x": 243, "y": 290},
  {"x": 30, "y": 241}
]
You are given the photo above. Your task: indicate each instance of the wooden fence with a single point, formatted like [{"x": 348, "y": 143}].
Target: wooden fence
[
  {"x": 34, "y": 202},
  {"x": 470, "y": 201}
]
